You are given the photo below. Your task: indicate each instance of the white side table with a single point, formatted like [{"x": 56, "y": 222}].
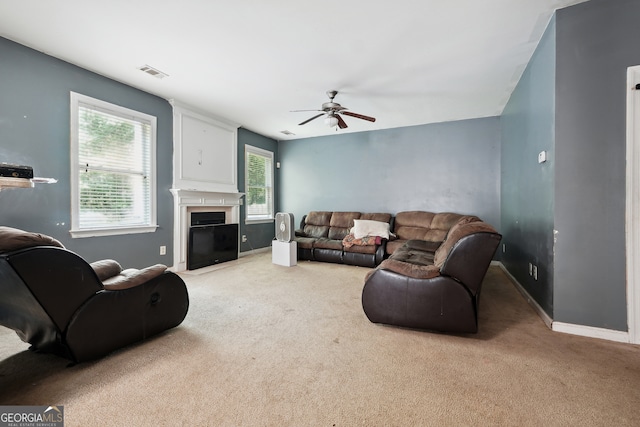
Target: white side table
[{"x": 284, "y": 253}]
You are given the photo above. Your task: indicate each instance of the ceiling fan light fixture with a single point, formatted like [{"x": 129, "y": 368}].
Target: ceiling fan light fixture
[{"x": 331, "y": 121}]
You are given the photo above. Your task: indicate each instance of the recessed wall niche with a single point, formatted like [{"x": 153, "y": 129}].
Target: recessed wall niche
[{"x": 205, "y": 152}]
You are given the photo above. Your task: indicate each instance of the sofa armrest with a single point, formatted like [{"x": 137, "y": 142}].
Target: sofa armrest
[
  {"x": 381, "y": 252},
  {"x": 470, "y": 258}
]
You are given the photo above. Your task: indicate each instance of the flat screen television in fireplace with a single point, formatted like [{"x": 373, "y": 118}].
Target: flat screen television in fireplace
[{"x": 212, "y": 244}]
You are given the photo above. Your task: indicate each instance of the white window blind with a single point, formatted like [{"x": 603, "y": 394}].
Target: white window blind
[
  {"x": 258, "y": 184},
  {"x": 113, "y": 182}
]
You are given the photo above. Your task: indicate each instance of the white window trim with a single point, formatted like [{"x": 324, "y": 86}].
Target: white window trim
[
  {"x": 266, "y": 153},
  {"x": 76, "y": 99}
]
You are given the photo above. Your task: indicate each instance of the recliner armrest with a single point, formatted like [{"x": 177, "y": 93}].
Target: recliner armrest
[
  {"x": 132, "y": 277},
  {"x": 106, "y": 268}
]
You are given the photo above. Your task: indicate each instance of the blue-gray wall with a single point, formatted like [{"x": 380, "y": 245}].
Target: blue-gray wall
[
  {"x": 34, "y": 130},
  {"x": 596, "y": 42},
  {"x": 528, "y": 127},
  {"x": 443, "y": 167},
  {"x": 258, "y": 235},
  {"x": 570, "y": 102}
]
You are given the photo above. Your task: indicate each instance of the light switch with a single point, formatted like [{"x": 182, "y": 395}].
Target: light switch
[{"x": 542, "y": 157}]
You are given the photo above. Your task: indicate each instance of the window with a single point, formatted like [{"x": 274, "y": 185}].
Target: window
[
  {"x": 258, "y": 184},
  {"x": 112, "y": 169}
]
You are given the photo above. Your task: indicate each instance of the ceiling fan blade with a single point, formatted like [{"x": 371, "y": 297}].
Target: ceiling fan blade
[
  {"x": 358, "y": 116},
  {"x": 308, "y": 120},
  {"x": 341, "y": 123}
]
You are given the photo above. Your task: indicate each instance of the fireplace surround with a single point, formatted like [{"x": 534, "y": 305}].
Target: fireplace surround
[
  {"x": 204, "y": 172},
  {"x": 188, "y": 201}
]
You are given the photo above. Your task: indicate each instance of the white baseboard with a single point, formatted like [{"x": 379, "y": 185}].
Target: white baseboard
[
  {"x": 591, "y": 332},
  {"x": 255, "y": 251},
  {"x": 567, "y": 328},
  {"x": 536, "y": 307}
]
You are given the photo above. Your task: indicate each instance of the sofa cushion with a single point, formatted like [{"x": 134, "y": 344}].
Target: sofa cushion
[
  {"x": 316, "y": 224},
  {"x": 318, "y": 218},
  {"x": 305, "y": 242},
  {"x": 420, "y": 219},
  {"x": 393, "y": 245},
  {"x": 423, "y": 245},
  {"x": 445, "y": 220},
  {"x": 382, "y": 217},
  {"x": 12, "y": 239},
  {"x": 316, "y": 231},
  {"x": 340, "y": 224},
  {"x": 405, "y": 232},
  {"x": 324, "y": 243},
  {"x": 417, "y": 271},
  {"x": 435, "y": 235}
]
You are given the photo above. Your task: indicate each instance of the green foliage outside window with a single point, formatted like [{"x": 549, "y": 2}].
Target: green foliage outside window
[
  {"x": 104, "y": 192},
  {"x": 256, "y": 192}
]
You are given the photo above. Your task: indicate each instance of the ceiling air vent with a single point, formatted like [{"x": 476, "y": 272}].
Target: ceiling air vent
[
  {"x": 153, "y": 72},
  {"x": 287, "y": 132}
]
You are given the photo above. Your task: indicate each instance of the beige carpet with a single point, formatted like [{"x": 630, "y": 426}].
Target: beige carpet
[{"x": 267, "y": 345}]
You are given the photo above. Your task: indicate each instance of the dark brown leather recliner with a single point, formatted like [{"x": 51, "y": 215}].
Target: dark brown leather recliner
[
  {"x": 431, "y": 286},
  {"x": 59, "y": 303}
]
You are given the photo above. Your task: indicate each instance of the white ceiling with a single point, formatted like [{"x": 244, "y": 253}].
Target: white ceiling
[{"x": 405, "y": 62}]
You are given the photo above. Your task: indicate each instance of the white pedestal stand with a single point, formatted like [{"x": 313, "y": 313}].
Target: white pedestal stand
[{"x": 284, "y": 253}]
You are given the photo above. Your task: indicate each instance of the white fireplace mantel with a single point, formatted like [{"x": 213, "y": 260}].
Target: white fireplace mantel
[{"x": 187, "y": 201}]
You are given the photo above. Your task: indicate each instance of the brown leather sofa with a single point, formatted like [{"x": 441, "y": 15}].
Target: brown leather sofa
[
  {"x": 432, "y": 284},
  {"x": 57, "y": 302},
  {"x": 321, "y": 237}
]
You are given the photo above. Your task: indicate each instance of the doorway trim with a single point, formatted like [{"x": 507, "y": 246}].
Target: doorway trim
[{"x": 632, "y": 234}]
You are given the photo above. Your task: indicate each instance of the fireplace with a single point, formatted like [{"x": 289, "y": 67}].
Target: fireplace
[
  {"x": 211, "y": 204},
  {"x": 211, "y": 241},
  {"x": 208, "y": 218}
]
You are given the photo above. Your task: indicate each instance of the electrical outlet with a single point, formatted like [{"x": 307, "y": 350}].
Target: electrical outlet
[
  {"x": 535, "y": 272},
  {"x": 244, "y": 238},
  {"x": 163, "y": 250}
]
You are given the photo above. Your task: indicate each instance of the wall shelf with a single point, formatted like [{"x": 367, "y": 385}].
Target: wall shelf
[{"x": 8, "y": 182}]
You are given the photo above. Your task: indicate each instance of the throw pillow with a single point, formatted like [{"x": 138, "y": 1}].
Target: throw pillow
[{"x": 366, "y": 227}]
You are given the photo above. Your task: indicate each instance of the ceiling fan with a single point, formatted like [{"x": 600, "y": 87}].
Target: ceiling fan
[{"x": 331, "y": 109}]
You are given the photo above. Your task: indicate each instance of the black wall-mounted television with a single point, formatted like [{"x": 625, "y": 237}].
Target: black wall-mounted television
[{"x": 212, "y": 244}]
